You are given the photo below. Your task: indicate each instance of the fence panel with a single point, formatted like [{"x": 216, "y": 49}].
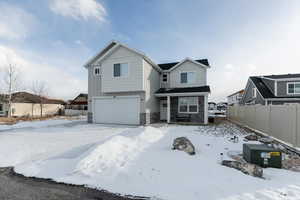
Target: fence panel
[
  {"x": 283, "y": 123},
  {"x": 262, "y": 118},
  {"x": 279, "y": 121}
]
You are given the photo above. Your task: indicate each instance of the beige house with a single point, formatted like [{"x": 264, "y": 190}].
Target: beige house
[
  {"x": 127, "y": 87},
  {"x": 27, "y": 104}
]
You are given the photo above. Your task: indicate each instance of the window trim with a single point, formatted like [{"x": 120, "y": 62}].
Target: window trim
[
  {"x": 287, "y": 88},
  {"x": 167, "y": 78},
  {"x": 95, "y": 71},
  {"x": 187, "y": 83},
  {"x": 188, "y": 106},
  {"x": 254, "y": 92},
  {"x": 113, "y": 72}
]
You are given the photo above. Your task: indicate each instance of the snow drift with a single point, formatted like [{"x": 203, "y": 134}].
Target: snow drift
[{"x": 117, "y": 152}]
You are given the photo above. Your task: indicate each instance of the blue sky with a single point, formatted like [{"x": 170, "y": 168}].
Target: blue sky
[{"x": 50, "y": 40}]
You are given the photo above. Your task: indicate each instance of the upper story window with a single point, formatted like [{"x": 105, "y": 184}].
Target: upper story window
[
  {"x": 121, "y": 70},
  {"x": 187, "y": 77},
  {"x": 254, "y": 92},
  {"x": 188, "y": 104},
  {"x": 165, "y": 78},
  {"x": 97, "y": 71},
  {"x": 293, "y": 88}
]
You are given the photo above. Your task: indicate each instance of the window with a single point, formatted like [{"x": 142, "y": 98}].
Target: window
[
  {"x": 97, "y": 71},
  {"x": 187, "y": 77},
  {"x": 121, "y": 70},
  {"x": 254, "y": 93},
  {"x": 165, "y": 77},
  {"x": 293, "y": 88},
  {"x": 188, "y": 105},
  {"x": 1, "y": 107}
]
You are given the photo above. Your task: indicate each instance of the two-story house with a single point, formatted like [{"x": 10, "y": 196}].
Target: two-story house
[
  {"x": 127, "y": 87},
  {"x": 272, "y": 89},
  {"x": 235, "y": 98}
]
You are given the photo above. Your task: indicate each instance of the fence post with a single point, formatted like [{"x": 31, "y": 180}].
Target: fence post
[{"x": 297, "y": 127}]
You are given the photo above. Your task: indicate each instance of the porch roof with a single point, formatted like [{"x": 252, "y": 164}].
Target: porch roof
[{"x": 184, "y": 90}]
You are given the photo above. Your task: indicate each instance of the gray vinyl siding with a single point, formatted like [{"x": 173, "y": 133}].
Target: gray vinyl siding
[
  {"x": 188, "y": 67},
  {"x": 194, "y": 118},
  {"x": 269, "y": 84},
  {"x": 282, "y": 88},
  {"x": 259, "y": 99},
  {"x": 248, "y": 96}
]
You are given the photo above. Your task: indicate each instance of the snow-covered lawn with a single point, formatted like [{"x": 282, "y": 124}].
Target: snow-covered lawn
[{"x": 139, "y": 160}]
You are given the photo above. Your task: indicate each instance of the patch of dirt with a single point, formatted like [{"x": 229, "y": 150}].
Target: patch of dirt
[{"x": 15, "y": 186}]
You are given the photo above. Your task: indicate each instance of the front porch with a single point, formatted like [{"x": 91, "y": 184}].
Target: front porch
[
  {"x": 191, "y": 109},
  {"x": 184, "y": 104}
]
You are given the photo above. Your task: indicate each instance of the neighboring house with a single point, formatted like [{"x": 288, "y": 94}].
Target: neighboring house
[
  {"x": 78, "y": 103},
  {"x": 212, "y": 106},
  {"x": 127, "y": 87},
  {"x": 3, "y": 105},
  {"x": 222, "y": 106},
  {"x": 272, "y": 89},
  {"x": 27, "y": 104},
  {"x": 235, "y": 98}
]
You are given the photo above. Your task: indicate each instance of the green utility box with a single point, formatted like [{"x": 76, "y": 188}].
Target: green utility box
[{"x": 262, "y": 155}]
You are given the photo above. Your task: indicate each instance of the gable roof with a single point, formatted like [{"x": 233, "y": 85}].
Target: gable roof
[
  {"x": 283, "y": 76},
  {"x": 265, "y": 91},
  {"x": 167, "y": 66},
  {"x": 111, "y": 47},
  {"x": 200, "y": 64}
]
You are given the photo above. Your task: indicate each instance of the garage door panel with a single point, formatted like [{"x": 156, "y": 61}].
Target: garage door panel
[{"x": 117, "y": 110}]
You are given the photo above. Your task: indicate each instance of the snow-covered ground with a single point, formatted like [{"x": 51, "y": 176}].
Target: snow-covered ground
[{"x": 139, "y": 161}]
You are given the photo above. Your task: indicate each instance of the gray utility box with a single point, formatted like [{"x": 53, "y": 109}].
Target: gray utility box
[{"x": 262, "y": 155}]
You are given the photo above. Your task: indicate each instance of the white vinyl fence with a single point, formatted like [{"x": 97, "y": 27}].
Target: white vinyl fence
[
  {"x": 70, "y": 112},
  {"x": 280, "y": 121}
]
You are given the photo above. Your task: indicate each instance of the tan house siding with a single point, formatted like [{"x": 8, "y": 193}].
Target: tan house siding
[
  {"x": 29, "y": 109},
  {"x": 188, "y": 66}
]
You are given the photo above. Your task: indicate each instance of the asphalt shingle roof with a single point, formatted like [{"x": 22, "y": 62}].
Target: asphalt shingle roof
[
  {"x": 280, "y": 76},
  {"x": 167, "y": 66},
  {"x": 183, "y": 90}
]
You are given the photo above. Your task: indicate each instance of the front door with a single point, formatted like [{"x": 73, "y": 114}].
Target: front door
[{"x": 163, "y": 109}]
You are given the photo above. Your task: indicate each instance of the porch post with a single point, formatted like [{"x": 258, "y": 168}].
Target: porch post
[
  {"x": 168, "y": 109},
  {"x": 205, "y": 109}
]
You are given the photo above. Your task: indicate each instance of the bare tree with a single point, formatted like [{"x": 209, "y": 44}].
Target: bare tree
[
  {"x": 40, "y": 89},
  {"x": 11, "y": 80}
]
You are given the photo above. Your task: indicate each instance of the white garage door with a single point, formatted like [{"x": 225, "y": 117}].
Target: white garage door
[{"x": 117, "y": 110}]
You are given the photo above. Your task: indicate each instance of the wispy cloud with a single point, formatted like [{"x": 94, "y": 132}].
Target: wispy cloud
[
  {"x": 15, "y": 22},
  {"x": 79, "y": 9},
  {"x": 61, "y": 83}
]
